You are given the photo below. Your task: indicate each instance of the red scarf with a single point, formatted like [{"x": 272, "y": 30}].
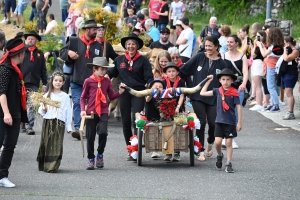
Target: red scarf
[
  {"x": 131, "y": 60},
  {"x": 230, "y": 92},
  {"x": 179, "y": 63},
  {"x": 88, "y": 44},
  {"x": 20, "y": 75},
  {"x": 101, "y": 40},
  {"x": 175, "y": 83},
  {"x": 141, "y": 23},
  {"x": 99, "y": 95},
  {"x": 31, "y": 50},
  {"x": 162, "y": 5}
]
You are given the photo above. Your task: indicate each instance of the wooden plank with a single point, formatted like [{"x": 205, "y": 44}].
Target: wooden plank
[{"x": 170, "y": 146}]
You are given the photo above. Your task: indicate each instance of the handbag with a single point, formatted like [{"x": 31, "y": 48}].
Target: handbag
[
  {"x": 240, "y": 79},
  {"x": 69, "y": 63}
]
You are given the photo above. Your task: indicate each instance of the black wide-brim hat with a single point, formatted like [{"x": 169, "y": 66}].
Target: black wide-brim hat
[
  {"x": 227, "y": 72},
  {"x": 170, "y": 64},
  {"x": 132, "y": 36},
  {"x": 34, "y": 34},
  {"x": 14, "y": 43},
  {"x": 157, "y": 80}
]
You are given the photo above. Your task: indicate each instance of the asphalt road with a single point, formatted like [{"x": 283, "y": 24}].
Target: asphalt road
[{"x": 266, "y": 167}]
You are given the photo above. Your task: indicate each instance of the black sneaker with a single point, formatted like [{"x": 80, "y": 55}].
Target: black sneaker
[
  {"x": 14, "y": 23},
  {"x": 76, "y": 134},
  {"x": 8, "y": 22},
  {"x": 229, "y": 168},
  {"x": 29, "y": 131},
  {"x": 219, "y": 161}
]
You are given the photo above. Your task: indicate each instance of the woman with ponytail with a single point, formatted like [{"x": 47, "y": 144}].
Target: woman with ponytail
[{"x": 200, "y": 66}]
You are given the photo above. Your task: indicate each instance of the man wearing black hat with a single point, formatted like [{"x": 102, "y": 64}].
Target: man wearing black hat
[
  {"x": 88, "y": 48},
  {"x": 12, "y": 104},
  {"x": 163, "y": 42},
  {"x": 34, "y": 70},
  {"x": 185, "y": 40}
]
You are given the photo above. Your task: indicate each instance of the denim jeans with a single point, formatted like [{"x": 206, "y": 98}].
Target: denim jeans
[
  {"x": 33, "y": 14},
  {"x": 160, "y": 26},
  {"x": 271, "y": 83},
  {"x": 113, "y": 7},
  {"x": 30, "y": 107},
  {"x": 76, "y": 93},
  {"x": 64, "y": 15}
]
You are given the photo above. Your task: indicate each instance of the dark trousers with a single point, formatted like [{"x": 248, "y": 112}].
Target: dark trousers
[
  {"x": 97, "y": 125},
  {"x": 129, "y": 105},
  {"x": 205, "y": 113},
  {"x": 8, "y": 137}
]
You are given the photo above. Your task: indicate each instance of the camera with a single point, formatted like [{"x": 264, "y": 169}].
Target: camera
[{"x": 258, "y": 38}]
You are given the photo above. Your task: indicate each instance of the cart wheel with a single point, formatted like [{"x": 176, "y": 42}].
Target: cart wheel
[
  {"x": 140, "y": 147},
  {"x": 191, "y": 140}
]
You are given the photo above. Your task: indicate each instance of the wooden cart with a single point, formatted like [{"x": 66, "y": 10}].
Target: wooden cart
[{"x": 158, "y": 137}]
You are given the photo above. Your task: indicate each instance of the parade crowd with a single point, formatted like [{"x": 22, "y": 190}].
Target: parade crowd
[{"x": 250, "y": 66}]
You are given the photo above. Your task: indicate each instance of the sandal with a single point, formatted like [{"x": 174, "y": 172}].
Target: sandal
[
  {"x": 209, "y": 151},
  {"x": 201, "y": 158}
]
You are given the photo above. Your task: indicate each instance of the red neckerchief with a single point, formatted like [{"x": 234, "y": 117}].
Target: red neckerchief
[
  {"x": 175, "y": 83},
  {"x": 88, "y": 44},
  {"x": 101, "y": 40},
  {"x": 131, "y": 60},
  {"x": 179, "y": 63},
  {"x": 99, "y": 95},
  {"x": 31, "y": 50},
  {"x": 162, "y": 5},
  {"x": 141, "y": 23},
  {"x": 230, "y": 92}
]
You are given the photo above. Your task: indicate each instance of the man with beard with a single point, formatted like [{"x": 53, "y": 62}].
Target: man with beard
[
  {"x": 34, "y": 70},
  {"x": 163, "y": 42},
  {"x": 109, "y": 51},
  {"x": 88, "y": 48}
]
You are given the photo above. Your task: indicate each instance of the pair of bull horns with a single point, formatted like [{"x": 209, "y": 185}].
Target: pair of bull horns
[{"x": 148, "y": 92}]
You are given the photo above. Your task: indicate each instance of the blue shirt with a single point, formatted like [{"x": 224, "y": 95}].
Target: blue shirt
[
  {"x": 227, "y": 117},
  {"x": 154, "y": 34}
]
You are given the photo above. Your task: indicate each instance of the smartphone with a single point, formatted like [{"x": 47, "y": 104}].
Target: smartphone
[
  {"x": 258, "y": 38},
  {"x": 249, "y": 40}
]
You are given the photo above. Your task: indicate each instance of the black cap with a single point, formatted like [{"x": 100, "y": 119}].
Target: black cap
[
  {"x": 34, "y": 34},
  {"x": 159, "y": 81},
  {"x": 165, "y": 30},
  {"x": 185, "y": 21}
]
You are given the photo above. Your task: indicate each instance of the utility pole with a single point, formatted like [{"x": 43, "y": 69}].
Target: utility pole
[{"x": 269, "y": 9}]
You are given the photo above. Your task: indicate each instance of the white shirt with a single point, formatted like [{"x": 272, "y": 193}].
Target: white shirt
[
  {"x": 187, "y": 34},
  {"x": 63, "y": 113},
  {"x": 177, "y": 10},
  {"x": 50, "y": 25}
]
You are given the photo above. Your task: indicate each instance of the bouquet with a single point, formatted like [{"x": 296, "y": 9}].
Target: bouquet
[{"x": 167, "y": 108}]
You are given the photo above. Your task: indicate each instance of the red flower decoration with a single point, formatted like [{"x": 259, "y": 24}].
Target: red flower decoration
[
  {"x": 167, "y": 108},
  {"x": 191, "y": 124}
]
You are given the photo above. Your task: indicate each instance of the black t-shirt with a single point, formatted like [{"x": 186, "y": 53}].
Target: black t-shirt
[
  {"x": 151, "y": 110},
  {"x": 159, "y": 45},
  {"x": 164, "y": 19},
  {"x": 115, "y": 2},
  {"x": 33, "y": 4},
  {"x": 258, "y": 54}
]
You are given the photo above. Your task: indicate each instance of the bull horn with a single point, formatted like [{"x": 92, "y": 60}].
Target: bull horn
[
  {"x": 136, "y": 93},
  {"x": 194, "y": 89}
]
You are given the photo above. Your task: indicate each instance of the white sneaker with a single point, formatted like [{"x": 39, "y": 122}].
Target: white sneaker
[
  {"x": 281, "y": 103},
  {"x": 257, "y": 108},
  {"x": 224, "y": 143},
  {"x": 6, "y": 183},
  {"x": 234, "y": 144},
  {"x": 155, "y": 155},
  {"x": 253, "y": 103},
  {"x": 4, "y": 21}
]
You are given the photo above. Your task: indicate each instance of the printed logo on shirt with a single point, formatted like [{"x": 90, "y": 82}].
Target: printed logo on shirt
[
  {"x": 39, "y": 55},
  {"x": 218, "y": 71},
  {"x": 122, "y": 65},
  {"x": 230, "y": 135},
  {"x": 97, "y": 52},
  {"x": 199, "y": 68}
]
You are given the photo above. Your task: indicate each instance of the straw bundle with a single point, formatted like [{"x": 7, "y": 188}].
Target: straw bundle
[
  {"x": 37, "y": 98},
  {"x": 179, "y": 120}
]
